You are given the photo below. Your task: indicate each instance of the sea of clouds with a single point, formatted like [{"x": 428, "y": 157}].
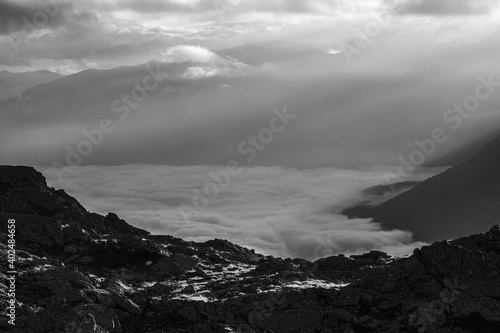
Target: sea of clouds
[{"x": 275, "y": 210}]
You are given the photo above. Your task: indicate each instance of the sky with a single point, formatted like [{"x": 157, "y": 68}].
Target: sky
[
  {"x": 313, "y": 99},
  {"x": 69, "y": 36}
]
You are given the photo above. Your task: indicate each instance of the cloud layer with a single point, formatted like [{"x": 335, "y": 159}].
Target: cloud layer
[
  {"x": 105, "y": 34},
  {"x": 279, "y": 211},
  {"x": 448, "y": 7},
  {"x": 205, "y": 63}
]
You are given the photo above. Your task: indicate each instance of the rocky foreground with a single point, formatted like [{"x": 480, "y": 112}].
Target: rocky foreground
[{"x": 83, "y": 272}]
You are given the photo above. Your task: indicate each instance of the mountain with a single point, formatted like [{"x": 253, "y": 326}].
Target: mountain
[
  {"x": 13, "y": 84},
  {"x": 277, "y": 51},
  {"x": 90, "y": 89},
  {"x": 77, "y": 271},
  {"x": 376, "y": 195},
  {"x": 147, "y": 104},
  {"x": 464, "y": 153},
  {"x": 464, "y": 199}
]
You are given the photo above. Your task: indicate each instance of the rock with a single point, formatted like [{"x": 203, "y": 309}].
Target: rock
[
  {"x": 334, "y": 263},
  {"x": 429, "y": 317},
  {"x": 103, "y": 316},
  {"x": 84, "y": 323},
  {"x": 175, "y": 265},
  {"x": 70, "y": 249},
  {"x": 82, "y": 272},
  {"x": 102, "y": 296},
  {"x": 126, "y": 304},
  {"x": 85, "y": 260},
  {"x": 372, "y": 257},
  {"x": 188, "y": 290},
  {"x": 369, "y": 322}
]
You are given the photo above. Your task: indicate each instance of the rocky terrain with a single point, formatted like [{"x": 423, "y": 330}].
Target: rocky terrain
[{"x": 83, "y": 272}]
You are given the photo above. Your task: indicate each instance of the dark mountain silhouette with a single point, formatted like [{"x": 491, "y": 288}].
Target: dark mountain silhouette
[
  {"x": 375, "y": 195},
  {"x": 464, "y": 199},
  {"x": 13, "y": 84},
  {"x": 83, "y": 272}
]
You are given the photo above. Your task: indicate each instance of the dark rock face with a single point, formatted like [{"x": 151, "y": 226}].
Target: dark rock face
[
  {"x": 122, "y": 279},
  {"x": 49, "y": 217}
]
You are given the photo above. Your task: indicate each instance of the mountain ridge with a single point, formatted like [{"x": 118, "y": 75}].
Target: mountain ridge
[
  {"x": 460, "y": 201},
  {"x": 12, "y": 84}
]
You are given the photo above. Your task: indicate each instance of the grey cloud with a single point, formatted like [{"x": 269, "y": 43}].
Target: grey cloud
[
  {"x": 33, "y": 15},
  {"x": 154, "y": 6},
  {"x": 227, "y": 6},
  {"x": 447, "y": 7}
]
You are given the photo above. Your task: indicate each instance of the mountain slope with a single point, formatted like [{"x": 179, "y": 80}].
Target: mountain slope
[
  {"x": 464, "y": 153},
  {"x": 276, "y": 51},
  {"x": 13, "y": 84},
  {"x": 462, "y": 200}
]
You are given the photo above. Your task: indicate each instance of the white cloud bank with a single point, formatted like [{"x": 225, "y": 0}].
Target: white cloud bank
[
  {"x": 205, "y": 62},
  {"x": 280, "y": 211}
]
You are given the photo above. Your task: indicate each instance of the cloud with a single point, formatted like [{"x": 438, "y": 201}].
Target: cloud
[
  {"x": 206, "y": 63},
  {"x": 280, "y": 211},
  {"x": 29, "y": 16},
  {"x": 126, "y": 32},
  {"x": 184, "y": 53},
  {"x": 159, "y": 6},
  {"x": 448, "y": 7},
  {"x": 226, "y": 6}
]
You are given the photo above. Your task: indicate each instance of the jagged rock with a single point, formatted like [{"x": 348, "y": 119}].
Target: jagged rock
[
  {"x": 103, "y": 316},
  {"x": 70, "y": 248},
  {"x": 126, "y": 304},
  {"x": 372, "y": 257},
  {"x": 175, "y": 264},
  {"x": 85, "y": 260},
  {"x": 276, "y": 265},
  {"x": 84, "y": 323},
  {"x": 39, "y": 210},
  {"x": 82, "y": 272},
  {"x": 232, "y": 251}
]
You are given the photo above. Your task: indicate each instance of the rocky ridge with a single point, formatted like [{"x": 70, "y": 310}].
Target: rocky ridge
[{"x": 83, "y": 272}]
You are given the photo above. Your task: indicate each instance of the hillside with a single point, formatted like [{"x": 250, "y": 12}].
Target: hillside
[
  {"x": 13, "y": 84},
  {"x": 83, "y": 272},
  {"x": 463, "y": 200}
]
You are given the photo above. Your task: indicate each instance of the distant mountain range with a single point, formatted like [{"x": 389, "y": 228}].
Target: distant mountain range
[
  {"x": 60, "y": 108},
  {"x": 82, "y": 99},
  {"x": 13, "y": 84},
  {"x": 464, "y": 199},
  {"x": 278, "y": 52}
]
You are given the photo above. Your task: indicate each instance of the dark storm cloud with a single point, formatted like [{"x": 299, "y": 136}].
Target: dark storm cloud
[
  {"x": 447, "y": 7},
  {"x": 15, "y": 16}
]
